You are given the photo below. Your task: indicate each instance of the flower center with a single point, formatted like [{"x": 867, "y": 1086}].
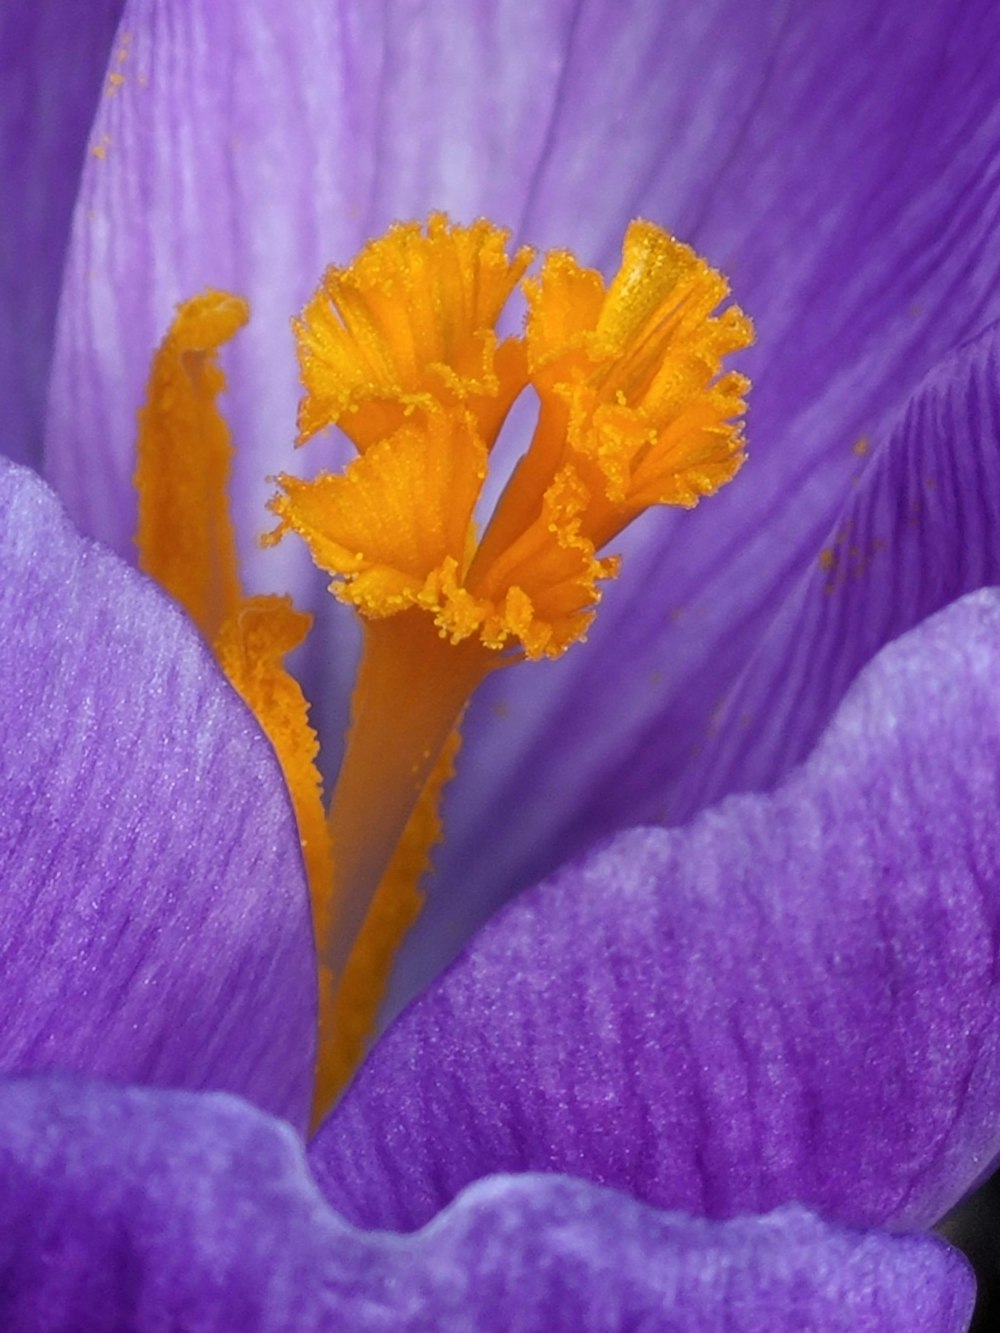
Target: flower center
[{"x": 400, "y": 351}]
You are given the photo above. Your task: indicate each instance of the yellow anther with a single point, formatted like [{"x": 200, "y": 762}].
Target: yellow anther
[
  {"x": 185, "y": 536},
  {"x": 186, "y": 541}
]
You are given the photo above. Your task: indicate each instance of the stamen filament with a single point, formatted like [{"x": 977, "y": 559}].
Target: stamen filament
[{"x": 413, "y": 685}]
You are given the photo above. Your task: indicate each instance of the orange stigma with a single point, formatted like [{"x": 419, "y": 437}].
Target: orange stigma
[{"x": 401, "y": 352}]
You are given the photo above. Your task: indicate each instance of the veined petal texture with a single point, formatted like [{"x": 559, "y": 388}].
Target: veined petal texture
[
  {"x": 152, "y": 1210},
  {"x": 156, "y": 922}
]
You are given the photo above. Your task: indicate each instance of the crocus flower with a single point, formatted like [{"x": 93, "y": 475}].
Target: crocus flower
[{"x": 788, "y": 1000}]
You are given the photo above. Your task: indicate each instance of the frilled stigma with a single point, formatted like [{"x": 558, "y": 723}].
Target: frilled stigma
[{"x": 401, "y": 351}]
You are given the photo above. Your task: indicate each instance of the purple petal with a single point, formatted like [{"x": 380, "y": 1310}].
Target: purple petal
[
  {"x": 792, "y": 998},
  {"x": 52, "y": 58},
  {"x": 920, "y": 528},
  {"x": 150, "y": 1210},
  {"x": 156, "y": 920}
]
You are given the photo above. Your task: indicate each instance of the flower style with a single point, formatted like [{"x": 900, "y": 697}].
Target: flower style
[{"x": 789, "y": 999}]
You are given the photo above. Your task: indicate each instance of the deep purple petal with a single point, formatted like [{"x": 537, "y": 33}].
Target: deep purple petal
[
  {"x": 152, "y": 1210},
  {"x": 793, "y": 998},
  {"x": 920, "y": 528},
  {"x": 52, "y": 58},
  {"x": 156, "y": 920}
]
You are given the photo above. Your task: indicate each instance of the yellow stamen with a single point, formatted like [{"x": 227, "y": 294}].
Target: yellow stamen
[
  {"x": 185, "y": 535},
  {"x": 251, "y": 647},
  {"x": 186, "y": 541}
]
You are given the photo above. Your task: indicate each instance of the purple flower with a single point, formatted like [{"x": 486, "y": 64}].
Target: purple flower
[{"x": 788, "y": 1000}]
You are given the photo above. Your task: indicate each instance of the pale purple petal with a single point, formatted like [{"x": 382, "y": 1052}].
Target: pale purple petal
[
  {"x": 52, "y": 59},
  {"x": 152, "y": 1211},
  {"x": 156, "y": 920},
  {"x": 792, "y": 998}
]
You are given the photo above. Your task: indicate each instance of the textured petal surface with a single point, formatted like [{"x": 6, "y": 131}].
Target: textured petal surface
[
  {"x": 52, "y": 59},
  {"x": 156, "y": 923},
  {"x": 793, "y": 998},
  {"x": 839, "y": 162},
  {"x": 920, "y": 527},
  {"x": 152, "y": 1210}
]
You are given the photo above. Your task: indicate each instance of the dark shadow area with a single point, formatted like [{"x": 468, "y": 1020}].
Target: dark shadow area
[{"x": 974, "y": 1226}]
